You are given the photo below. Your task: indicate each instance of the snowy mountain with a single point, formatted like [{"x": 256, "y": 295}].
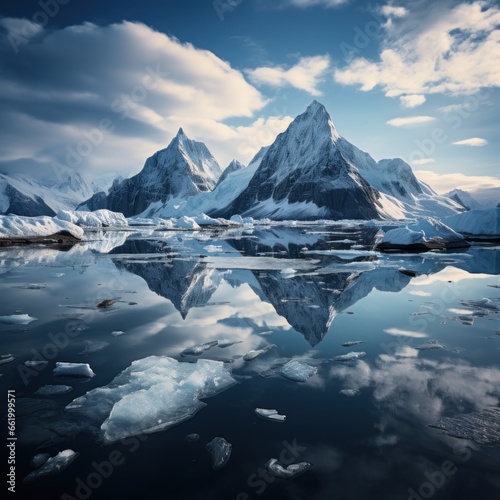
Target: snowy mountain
[
  {"x": 24, "y": 195},
  {"x": 310, "y": 171},
  {"x": 234, "y": 166},
  {"x": 477, "y": 200},
  {"x": 209, "y": 201},
  {"x": 183, "y": 169}
]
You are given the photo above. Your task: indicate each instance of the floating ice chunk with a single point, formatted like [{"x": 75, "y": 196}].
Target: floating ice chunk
[
  {"x": 482, "y": 427},
  {"x": 277, "y": 470},
  {"x": 251, "y": 355},
  {"x": 349, "y": 392},
  {"x": 220, "y": 450},
  {"x": 352, "y": 343},
  {"x": 53, "y": 390},
  {"x": 152, "y": 394},
  {"x": 17, "y": 319},
  {"x": 288, "y": 271},
  {"x": 39, "y": 459},
  {"x": 191, "y": 438},
  {"x": 6, "y": 358},
  {"x": 298, "y": 371},
  {"x": 92, "y": 346},
  {"x": 53, "y": 465},
  {"x": 117, "y": 333},
  {"x": 429, "y": 346},
  {"x": 228, "y": 342},
  {"x": 350, "y": 356},
  {"x": 272, "y": 415},
  {"x": 73, "y": 370},
  {"x": 197, "y": 350},
  {"x": 36, "y": 364}
]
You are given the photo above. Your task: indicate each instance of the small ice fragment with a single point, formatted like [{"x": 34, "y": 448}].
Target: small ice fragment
[
  {"x": 196, "y": 350},
  {"x": 106, "y": 303},
  {"x": 92, "y": 346},
  {"x": 288, "y": 271},
  {"x": 277, "y": 470},
  {"x": 350, "y": 356},
  {"x": 220, "y": 450},
  {"x": 251, "y": 355},
  {"x": 73, "y": 370},
  {"x": 228, "y": 342},
  {"x": 272, "y": 415},
  {"x": 192, "y": 437},
  {"x": 39, "y": 459},
  {"x": 352, "y": 343},
  {"x": 6, "y": 358},
  {"x": 298, "y": 371},
  {"x": 53, "y": 465},
  {"x": 16, "y": 319},
  {"x": 349, "y": 392},
  {"x": 53, "y": 390},
  {"x": 36, "y": 364},
  {"x": 117, "y": 333},
  {"x": 429, "y": 346}
]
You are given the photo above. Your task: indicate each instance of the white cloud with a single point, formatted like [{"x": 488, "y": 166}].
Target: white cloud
[
  {"x": 446, "y": 50},
  {"x": 473, "y": 141},
  {"x": 138, "y": 78},
  {"x": 410, "y": 121},
  {"x": 314, "y": 3},
  {"x": 443, "y": 183},
  {"x": 423, "y": 161},
  {"x": 393, "y": 11},
  {"x": 306, "y": 75},
  {"x": 412, "y": 100}
]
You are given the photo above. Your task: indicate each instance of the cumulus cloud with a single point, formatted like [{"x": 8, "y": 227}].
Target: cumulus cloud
[
  {"x": 393, "y": 11},
  {"x": 473, "y": 141},
  {"x": 412, "y": 100},
  {"x": 63, "y": 83},
  {"x": 446, "y": 50},
  {"x": 410, "y": 121},
  {"x": 306, "y": 75},
  {"x": 443, "y": 183}
]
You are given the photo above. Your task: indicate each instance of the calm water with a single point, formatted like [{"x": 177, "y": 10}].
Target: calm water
[{"x": 175, "y": 290}]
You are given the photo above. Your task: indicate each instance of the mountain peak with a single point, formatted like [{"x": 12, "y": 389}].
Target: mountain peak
[
  {"x": 317, "y": 119},
  {"x": 181, "y": 134}
]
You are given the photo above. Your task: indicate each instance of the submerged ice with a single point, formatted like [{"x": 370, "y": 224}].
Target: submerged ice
[
  {"x": 53, "y": 465},
  {"x": 277, "y": 470},
  {"x": 220, "y": 450},
  {"x": 298, "y": 371},
  {"x": 152, "y": 394}
]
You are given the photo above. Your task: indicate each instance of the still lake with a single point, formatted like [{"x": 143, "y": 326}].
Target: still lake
[{"x": 431, "y": 344}]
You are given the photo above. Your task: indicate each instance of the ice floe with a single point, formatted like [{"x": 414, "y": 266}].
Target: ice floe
[
  {"x": 53, "y": 390},
  {"x": 270, "y": 414},
  {"x": 53, "y": 465},
  {"x": 16, "y": 226},
  {"x": 298, "y": 371},
  {"x": 251, "y": 355},
  {"x": 277, "y": 470},
  {"x": 350, "y": 356},
  {"x": 198, "y": 350},
  {"x": 17, "y": 319},
  {"x": 220, "y": 450},
  {"x": 152, "y": 394},
  {"x": 96, "y": 219},
  {"x": 63, "y": 369}
]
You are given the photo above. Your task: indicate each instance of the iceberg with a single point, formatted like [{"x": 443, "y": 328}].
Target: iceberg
[
  {"x": 298, "y": 371},
  {"x": 220, "y": 450},
  {"x": 426, "y": 234},
  {"x": 16, "y": 226},
  {"x": 96, "y": 219},
  {"x": 272, "y": 415},
  {"x": 277, "y": 470},
  {"x": 73, "y": 370},
  {"x": 151, "y": 395},
  {"x": 477, "y": 223},
  {"x": 53, "y": 465}
]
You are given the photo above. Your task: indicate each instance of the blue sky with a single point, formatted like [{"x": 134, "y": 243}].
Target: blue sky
[{"x": 100, "y": 86}]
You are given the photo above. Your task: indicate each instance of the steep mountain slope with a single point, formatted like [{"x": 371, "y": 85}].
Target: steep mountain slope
[{"x": 185, "y": 168}]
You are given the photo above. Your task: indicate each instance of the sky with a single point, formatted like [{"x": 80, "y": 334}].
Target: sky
[{"x": 97, "y": 87}]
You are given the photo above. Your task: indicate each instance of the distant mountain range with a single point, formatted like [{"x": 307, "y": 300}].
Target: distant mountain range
[{"x": 309, "y": 172}]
